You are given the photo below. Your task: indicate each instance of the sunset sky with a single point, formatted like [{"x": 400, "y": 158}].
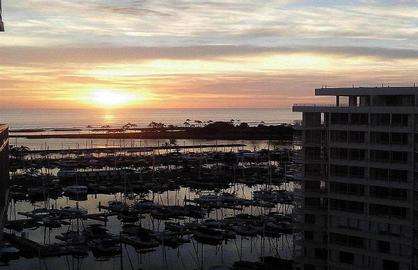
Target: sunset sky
[{"x": 188, "y": 54}]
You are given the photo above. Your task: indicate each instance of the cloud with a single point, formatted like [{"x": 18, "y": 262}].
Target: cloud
[
  {"x": 203, "y": 53},
  {"x": 39, "y": 56}
]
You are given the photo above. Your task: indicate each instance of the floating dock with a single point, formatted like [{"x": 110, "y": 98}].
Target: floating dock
[{"x": 143, "y": 149}]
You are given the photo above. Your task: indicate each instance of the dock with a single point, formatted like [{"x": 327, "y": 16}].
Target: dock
[{"x": 143, "y": 149}]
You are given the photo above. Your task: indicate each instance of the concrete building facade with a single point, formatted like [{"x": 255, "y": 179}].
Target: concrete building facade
[{"x": 360, "y": 179}]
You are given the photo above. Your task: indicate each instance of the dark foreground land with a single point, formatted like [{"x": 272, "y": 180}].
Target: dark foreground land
[{"x": 213, "y": 131}]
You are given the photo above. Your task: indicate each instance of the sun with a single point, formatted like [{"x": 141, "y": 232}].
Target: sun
[{"x": 110, "y": 98}]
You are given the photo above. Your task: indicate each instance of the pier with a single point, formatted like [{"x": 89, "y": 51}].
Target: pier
[{"x": 96, "y": 150}]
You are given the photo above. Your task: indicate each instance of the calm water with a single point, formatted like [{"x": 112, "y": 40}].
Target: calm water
[
  {"x": 80, "y": 118},
  {"x": 192, "y": 255}
]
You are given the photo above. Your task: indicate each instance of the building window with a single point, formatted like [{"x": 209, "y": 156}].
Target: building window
[
  {"x": 357, "y": 137},
  {"x": 380, "y": 119},
  {"x": 399, "y": 120},
  {"x": 347, "y": 206},
  {"x": 346, "y": 257},
  {"x": 309, "y": 235},
  {"x": 359, "y": 119},
  {"x": 321, "y": 254},
  {"x": 309, "y": 219},
  {"x": 388, "y": 211},
  {"x": 390, "y": 265},
  {"x": 388, "y": 193},
  {"x": 339, "y": 136},
  {"x": 383, "y": 246},
  {"x": 309, "y": 267},
  {"x": 399, "y": 138},
  {"x": 379, "y": 137},
  {"x": 339, "y": 118},
  {"x": 347, "y": 240}
]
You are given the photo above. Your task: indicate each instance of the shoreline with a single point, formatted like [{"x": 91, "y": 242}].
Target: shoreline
[{"x": 221, "y": 132}]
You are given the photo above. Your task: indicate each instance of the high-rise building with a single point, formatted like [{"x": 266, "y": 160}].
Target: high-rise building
[
  {"x": 4, "y": 174},
  {"x": 360, "y": 179}
]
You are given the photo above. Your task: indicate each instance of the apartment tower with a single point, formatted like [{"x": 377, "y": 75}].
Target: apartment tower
[{"x": 360, "y": 179}]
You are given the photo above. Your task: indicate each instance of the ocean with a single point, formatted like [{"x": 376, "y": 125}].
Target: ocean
[{"x": 54, "y": 118}]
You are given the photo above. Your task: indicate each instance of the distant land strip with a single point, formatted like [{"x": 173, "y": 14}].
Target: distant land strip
[{"x": 213, "y": 132}]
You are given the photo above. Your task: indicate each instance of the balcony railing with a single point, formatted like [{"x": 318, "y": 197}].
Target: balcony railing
[
  {"x": 4, "y": 135},
  {"x": 318, "y": 105}
]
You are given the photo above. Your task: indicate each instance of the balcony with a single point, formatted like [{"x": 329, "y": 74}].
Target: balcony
[
  {"x": 343, "y": 107},
  {"x": 312, "y": 107}
]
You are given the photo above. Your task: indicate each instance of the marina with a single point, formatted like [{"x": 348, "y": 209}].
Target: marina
[{"x": 192, "y": 205}]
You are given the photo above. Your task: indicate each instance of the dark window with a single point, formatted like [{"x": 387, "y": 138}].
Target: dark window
[
  {"x": 356, "y": 137},
  {"x": 312, "y": 153},
  {"x": 346, "y": 257},
  {"x": 381, "y": 119},
  {"x": 339, "y": 118},
  {"x": 390, "y": 265},
  {"x": 313, "y": 170},
  {"x": 357, "y": 172},
  {"x": 388, "y": 193},
  {"x": 312, "y": 136},
  {"x": 388, "y": 211},
  {"x": 383, "y": 246},
  {"x": 339, "y": 153},
  {"x": 309, "y": 219},
  {"x": 321, "y": 253},
  {"x": 339, "y": 136},
  {"x": 379, "y": 137},
  {"x": 347, "y": 240},
  {"x": 312, "y": 202},
  {"x": 309, "y": 235},
  {"x": 339, "y": 171},
  {"x": 343, "y": 188},
  {"x": 379, "y": 156},
  {"x": 398, "y": 175},
  {"x": 309, "y": 267},
  {"x": 359, "y": 119},
  {"x": 399, "y": 157},
  {"x": 399, "y": 138},
  {"x": 400, "y": 120},
  {"x": 357, "y": 154},
  {"x": 347, "y": 206}
]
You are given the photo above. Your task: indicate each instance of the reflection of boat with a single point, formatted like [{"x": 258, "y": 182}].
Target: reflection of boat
[
  {"x": 140, "y": 241},
  {"x": 245, "y": 230},
  {"x": 128, "y": 217},
  {"x": 74, "y": 211},
  {"x": 139, "y": 237},
  {"x": 96, "y": 231},
  {"x": 51, "y": 223},
  {"x": 208, "y": 236},
  {"x": 8, "y": 252},
  {"x": 75, "y": 190},
  {"x": 105, "y": 247},
  {"x": 171, "y": 239},
  {"x": 117, "y": 206},
  {"x": 37, "y": 192},
  {"x": 72, "y": 237}
]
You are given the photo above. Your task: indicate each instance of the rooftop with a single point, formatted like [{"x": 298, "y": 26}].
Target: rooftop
[{"x": 366, "y": 91}]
